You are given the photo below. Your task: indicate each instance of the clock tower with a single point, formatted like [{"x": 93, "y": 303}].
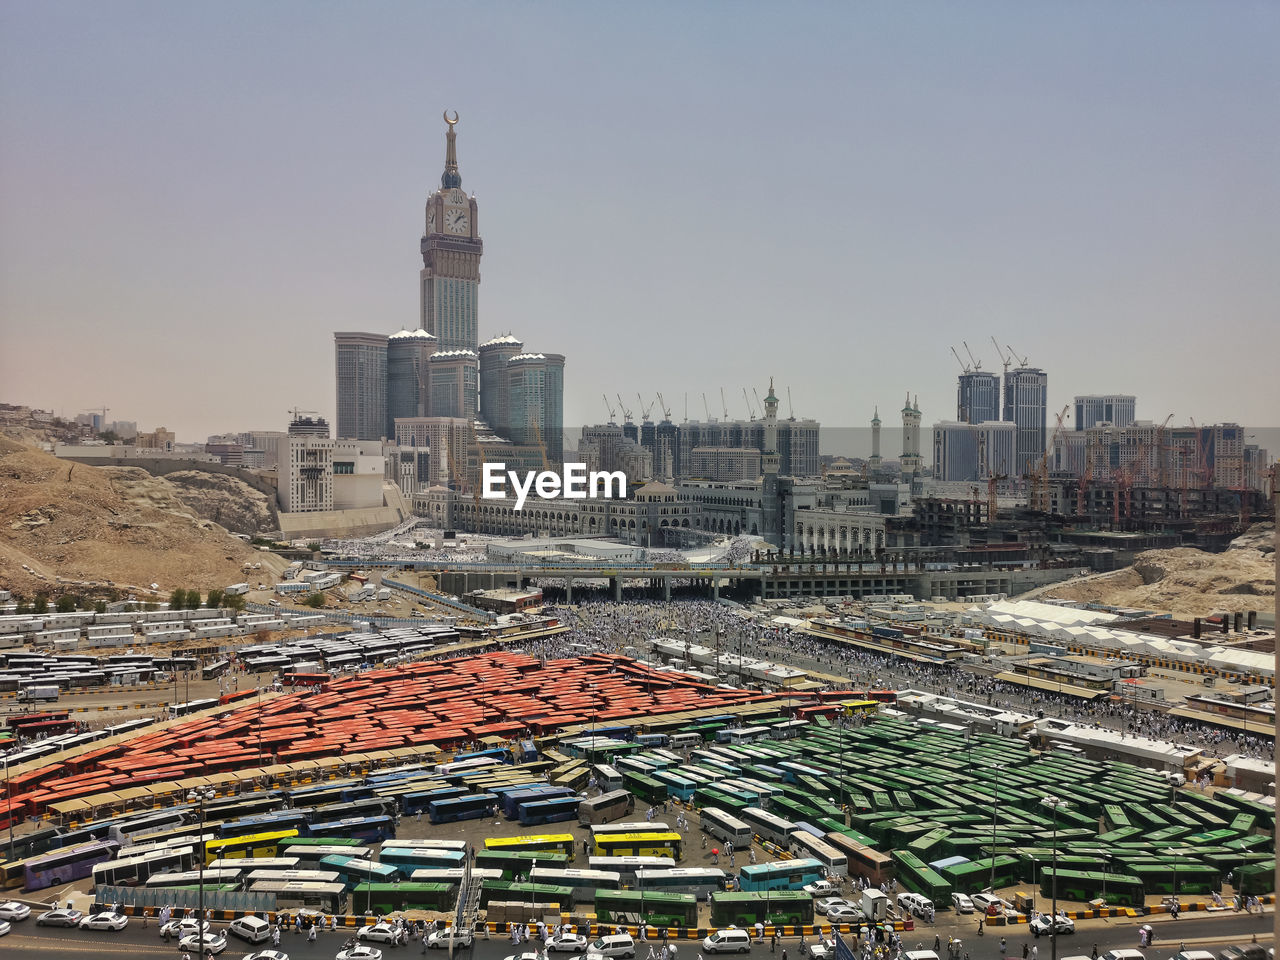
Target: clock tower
[{"x": 451, "y": 247}]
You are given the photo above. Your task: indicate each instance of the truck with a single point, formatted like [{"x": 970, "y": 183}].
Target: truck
[
  {"x": 236, "y": 589},
  {"x": 875, "y": 904},
  {"x": 42, "y": 692}
]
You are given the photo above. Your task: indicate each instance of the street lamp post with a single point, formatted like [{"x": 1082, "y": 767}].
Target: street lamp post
[
  {"x": 995, "y": 805},
  {"x": 1054, "y": 803},
  {"x": 8, "y": 799},
  {"x": 199, "y": 797}
]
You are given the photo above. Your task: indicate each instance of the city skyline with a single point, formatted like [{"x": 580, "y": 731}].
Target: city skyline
[{"x": 674, "y": 231}]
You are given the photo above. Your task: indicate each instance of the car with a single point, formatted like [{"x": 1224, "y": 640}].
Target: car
[
  {"x": 566, "y": 943},
  {"x": 5, "y": 927},
  {"x": 920, "y": 955},
  {"x": 1248, "y": 951},
  {"x": 914, "y": 903},
  {"x": 277, "y": 955},
  {"x": 1044, "y": 924},
  {"x": 613, "y": 945},
  {"x": 528, "y": 955},
  {"x": 359, "y": 952},
  {"x": 458, "y": 936},
  {"x": 59, "y": 918},
  {"x": 1124, "y": 954},
  {"x": 826, "y": 903},
  {"x": 182, "y": 928},
  {"x": 251, "y": 929},
  {"x": 106, "y": 920},
  {"x": 379, "y": 932},
  {"x": 961, "y": 903},
  {"x": 202, "y": 943},
  {"x": 844, "y": 913},
  {"x": 1193, "y": 955},
  {"x": 821, "y": 888},
  {"x": 992, "y": 906},
  {"x": 820, "y": 951},
  {"x": 13, "y": 910}
]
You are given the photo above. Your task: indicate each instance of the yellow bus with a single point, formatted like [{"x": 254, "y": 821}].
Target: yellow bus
[
  {"x": 639, "y": 845},
  {"x": 554, "y": 842},
  {"x": 251, "y": 845}
]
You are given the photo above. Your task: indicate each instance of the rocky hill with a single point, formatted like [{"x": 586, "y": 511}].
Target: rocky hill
[
  {"x": 1187, "y": 582},
  {"x": 227, "y": 501},
  {"x": 83, "y": 523}
]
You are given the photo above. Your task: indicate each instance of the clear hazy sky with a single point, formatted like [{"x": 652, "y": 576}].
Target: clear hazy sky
[{"x": 678, "y": 197}]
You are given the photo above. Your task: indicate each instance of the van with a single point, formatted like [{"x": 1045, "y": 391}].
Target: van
[
  {"x": 1124, "y": 955},
  {"x": 614, "y": 945},
  {"x": 732, "y": 940},
  {"x": 251, "y": 929}
]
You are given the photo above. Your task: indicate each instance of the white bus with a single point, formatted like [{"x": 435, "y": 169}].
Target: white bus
[
  {"x": 133, "y": 871},
  {"x": 608, "y": 777},
  {"x": 769, "y": 826},
  {"x": 805, "y": 844},
  {"x": 583, "y": 883},
  {"x": 742, "y": 735},
  {"x": 696, "y": 880},
  {"x": 627, "y": 867},
  {"x": 725, "y": 827}
]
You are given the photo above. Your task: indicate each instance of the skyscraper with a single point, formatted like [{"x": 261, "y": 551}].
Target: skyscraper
[
  {"x": 361, "y": 360},
  {"x": 535, "y": 390},
  {"x": 1115, "y": 409},
  {"x": 453, "y": 376},
  {"x": 449, "y": 283},
  {"x": 1025, "y": 405},
  {"x": 978, "y": 397},
  {"x": 495, "y": 403},
  {"x": 408, "y": 353}
]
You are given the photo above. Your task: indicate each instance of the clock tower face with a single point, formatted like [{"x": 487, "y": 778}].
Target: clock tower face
[
  {"x": 431, "y": 218},
  {"x": 456, "y": 221}
]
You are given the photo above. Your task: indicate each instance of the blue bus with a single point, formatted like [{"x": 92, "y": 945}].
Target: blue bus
[
  {"x": 353, "y": 870},
  {"x": 268, "y": 823},
  {"x": 548, "y": 810},
  {"x": 780, "y": 875},
  {"x": 677, "y": 785},
  {"x": 419, "y": 800},
  {"x": 511, "y": 800},
  {"x": 371, "y": 829},
  {"x": 472, "y": 806}
]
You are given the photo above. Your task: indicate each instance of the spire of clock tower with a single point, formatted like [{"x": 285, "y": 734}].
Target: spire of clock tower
[{"x": 451, "y": 178}]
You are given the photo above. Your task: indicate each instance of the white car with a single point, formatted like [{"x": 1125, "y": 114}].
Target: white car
[
  {"x": 826, "y": 903},
  {"x": 183, "y": 928},
  {"x": 821, "y": 888},
  {"x": 5, "y": 927},
  {"x": 530, "y": 955},
  {"x": 106, "y": 920},
  {"x": 729, "y": 940},
  {"x": 992, "y": 905},
  {"x": 358, "y": 952},
  {"x": 211, "y": 943},
  {"x": 458, "y": 936},
  {"x": 277, "y": 955},
  {"x": 844, "y": 913},
  {"x": 962, "y": 903},
  {"x": 820, "y": 951},
  {"x": 379, "y": 932},
  {"x": 566, "y": 943},
  {"x": 1043, "y": 924},
  {"x": 13, "y": 910},
  {"x": 59, "y": 918}
]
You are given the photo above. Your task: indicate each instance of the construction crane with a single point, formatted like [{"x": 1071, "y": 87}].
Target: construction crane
[
  {"x": 977, "y": 364},
  {"x": 542, "y": 447},
  {"x": 1085, "y": 477},
  {"x": 623, "y": 407},
  {"x": 1022, "y": 361},
  {"x": 1003, "y": 359},
  {"x": 612, "y": 417},
  {"x": 662, "y": 405},
  {"x": 1162, "y": 454},
  {"x": 964, "y": 367},
  {"x": 1040, "y": 480},
  {"x": 1204, "y": 474},
  {"x": 706, "y": 408},
  {"x": 644, "y": 411},
  {"x": 791, "y": 414},
  {"x": 747, "y": 400},
  {"x": 759, "y": 406},
  {"x": 723, "y": 405},
  {"x": 992, "y": 501}
]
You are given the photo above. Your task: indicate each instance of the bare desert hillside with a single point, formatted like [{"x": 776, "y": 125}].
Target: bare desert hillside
[
  {"x": 88, "y": 523},
  {"x": 1187, "y": 582}
]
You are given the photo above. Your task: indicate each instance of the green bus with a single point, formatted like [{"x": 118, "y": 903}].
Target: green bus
[
  {"x": 390, "y": 897},
  {"x": 975, "y": 875},
  {"x": 1170, "y": 877},
  {"x": 518, "y": 863},
  {"x": 780, "y": 907},
  {"x": 915, "y": 875},
  {"x": 1084, "y": 886},
  {"x": 643, "y": 907},
  {"x": 534, "y": 894}
]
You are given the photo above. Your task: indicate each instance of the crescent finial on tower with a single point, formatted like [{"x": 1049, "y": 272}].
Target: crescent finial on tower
[
  {"x": 453, "y": 121},
  {"x": 452, "y": 179}
]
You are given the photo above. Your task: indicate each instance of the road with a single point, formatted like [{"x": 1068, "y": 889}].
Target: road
[{"x": 1200, "y": 932}]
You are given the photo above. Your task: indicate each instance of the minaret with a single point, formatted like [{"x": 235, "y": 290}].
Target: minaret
[
  {"x": 451, "y": 178},
  {"x": 874, "y": 463},
  {"x": 769, "y": 463},
  {"x": 910, "y": 438}
]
